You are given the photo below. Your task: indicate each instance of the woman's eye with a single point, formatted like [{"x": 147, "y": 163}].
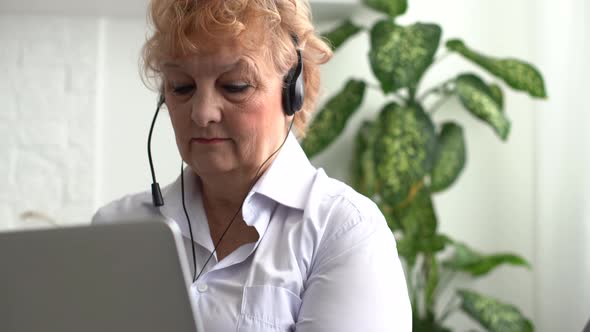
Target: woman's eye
[
  {"x": 236, "y": 88},
  {"x": 182, "y": 89}
]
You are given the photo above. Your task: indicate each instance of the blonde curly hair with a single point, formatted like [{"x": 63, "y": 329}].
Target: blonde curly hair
[{"x": 181, "y": 27}]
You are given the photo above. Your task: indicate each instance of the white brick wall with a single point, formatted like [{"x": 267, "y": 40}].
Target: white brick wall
[{"x": 47, "y": 119}]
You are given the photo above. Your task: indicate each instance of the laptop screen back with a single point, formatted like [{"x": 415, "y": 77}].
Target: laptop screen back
[{"x": 113, "y": 277}]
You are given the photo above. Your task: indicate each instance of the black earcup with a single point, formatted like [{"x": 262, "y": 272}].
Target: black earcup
[{"x": 293, "y": 88}]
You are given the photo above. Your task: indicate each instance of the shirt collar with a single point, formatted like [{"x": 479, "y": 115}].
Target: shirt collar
[
  {"x": 287, "y": 181},
  {"x": 289, "y": 178}
]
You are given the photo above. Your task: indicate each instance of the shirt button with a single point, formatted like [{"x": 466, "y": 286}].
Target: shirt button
[{"x": 202, "y": 287}]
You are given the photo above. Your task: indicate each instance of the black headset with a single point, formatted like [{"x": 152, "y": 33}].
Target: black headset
[
  {"x": 293, "y": 87},
  {"x": 293, "y": 97}
]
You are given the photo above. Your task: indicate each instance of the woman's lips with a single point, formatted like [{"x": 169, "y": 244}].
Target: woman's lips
[{"x": 201, "y": 140}]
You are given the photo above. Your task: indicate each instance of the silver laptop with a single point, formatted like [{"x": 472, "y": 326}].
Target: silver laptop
[{"x": 112, "y": 277}]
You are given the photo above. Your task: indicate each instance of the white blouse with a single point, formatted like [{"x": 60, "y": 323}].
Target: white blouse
[{"x": 325, "y": 259}]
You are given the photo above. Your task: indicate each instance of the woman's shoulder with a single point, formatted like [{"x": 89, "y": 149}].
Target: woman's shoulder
[
  {"x": 132, "y": 207},
  {"x": 345, "y": 220},
  {"x": 342, "y": 210},
  {"x": 332, "y": 193}
]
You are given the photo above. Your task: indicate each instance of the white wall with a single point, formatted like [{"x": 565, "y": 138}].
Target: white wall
[
  {"x": 47, "y": 89},
  {"x": 128, "y": 110},
  {"x": 563, "y": 162},
  {"x": 513, "y": 196}
]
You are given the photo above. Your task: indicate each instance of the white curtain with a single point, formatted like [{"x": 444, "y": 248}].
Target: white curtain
[{"x": 562, "y": 264}]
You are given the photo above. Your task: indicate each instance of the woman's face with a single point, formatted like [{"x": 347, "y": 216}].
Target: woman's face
[{"x": 225, "y": 117}]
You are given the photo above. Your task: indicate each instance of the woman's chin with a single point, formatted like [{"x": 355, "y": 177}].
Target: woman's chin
[{"x": 210, "y": 169}]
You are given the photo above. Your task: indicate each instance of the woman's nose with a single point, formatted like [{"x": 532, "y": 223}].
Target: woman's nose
[{"x": 205, "y": 108}]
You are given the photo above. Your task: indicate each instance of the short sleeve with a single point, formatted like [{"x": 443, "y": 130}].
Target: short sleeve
[{"x": 356, "y": 282}]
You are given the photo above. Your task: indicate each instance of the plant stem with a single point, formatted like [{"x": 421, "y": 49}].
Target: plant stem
[
  {"x": 434, "y": 89},
  {"x": 441, "y": 57},
  {"x": 439, "y": 103},
  {"x": 444, "y": 282},
  {"x": 410, "y": 281},
  {"x": 438, "y": 88},
  {"x": 412, "y": 94},
  {"x": 374, "y": 86},
  {"x": 413, "y": 288},
  {"x": 448, "y": 309},
  {"x": 398, "y": 98},
  {"x": 435, "y": 62},
  {"x": 420, "y": 283},
  {"x": 426, "y": 274}
]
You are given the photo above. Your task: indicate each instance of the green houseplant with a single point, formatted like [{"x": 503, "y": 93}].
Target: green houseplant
[{"x": 402, "y": 157}]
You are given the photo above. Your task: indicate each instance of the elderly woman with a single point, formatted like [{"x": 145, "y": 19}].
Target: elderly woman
[{"x": 275, "y": 244}]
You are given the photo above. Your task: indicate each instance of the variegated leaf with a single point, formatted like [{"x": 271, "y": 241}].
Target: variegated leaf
[
  {"x": 364, "y": 179},
  {"x": 517, "y": 74},
  {"x": 341, "y": 33},
  {"x": 332, "y": 118},
  {"x": 450, "y": 157},
  {"x": 477, "y": 98},
  {"x": 399, "y": 55},
  {"x": 392, "y": 8},
  {"x": 404, "y": 150},
  {"x": 467, "y": 260},
  {"x": 492, "y": 314}
]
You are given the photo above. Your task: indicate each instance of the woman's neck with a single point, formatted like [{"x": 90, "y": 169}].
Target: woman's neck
[
  {"x": 225, "y": 191},
  {"x": 224, "y": 194}
]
